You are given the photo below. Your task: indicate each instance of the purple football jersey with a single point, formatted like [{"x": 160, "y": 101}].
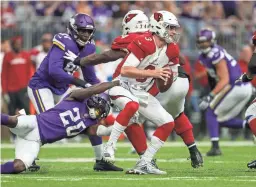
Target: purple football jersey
[
  {"x": 66, "y": 120},
  {"x": 51, "y": 72},
  {"x": 216, "y": 54}
]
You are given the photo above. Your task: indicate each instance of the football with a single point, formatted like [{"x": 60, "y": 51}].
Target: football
[{"x": 162, "y": 85}]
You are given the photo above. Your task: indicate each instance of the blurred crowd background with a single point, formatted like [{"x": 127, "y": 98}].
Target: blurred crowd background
[{"x": 30, "y": 26}]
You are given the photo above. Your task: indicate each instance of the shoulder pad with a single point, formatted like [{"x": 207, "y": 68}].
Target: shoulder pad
[
  {"x": 216, "y": 55},
  {"x": 145, "y": 43},
  {"x": 122, "y": 42},
  {"x": 65, "y": 42}
]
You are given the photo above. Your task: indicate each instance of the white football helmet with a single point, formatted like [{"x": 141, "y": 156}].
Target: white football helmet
[
  {"x": 134, "y": 21},
  {"x": 159, "y": 23}
]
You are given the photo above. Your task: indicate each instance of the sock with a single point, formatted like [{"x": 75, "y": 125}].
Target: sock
[
  {"x": 117, "y": 130},
  {"x": 96, "y": 142},
  {"x": 4, "y": 119},
  {"x": 7, "y": 168},
  {"x": 212, "y": 123},
  {"x": 103, "y": 130},
  {"x": 252, "y": 125},
  {"x": 98, "y": 151},
  {"x": 122, "y": 121},
  {"x": 152, "y": 149},
  {"x": 235, "y": 123},
  {"x": 215, "y": 142},
  {"x": 137, "y": 137}
]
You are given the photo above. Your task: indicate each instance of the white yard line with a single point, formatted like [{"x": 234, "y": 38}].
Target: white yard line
[
  {"x": 127, "y": 144},
  {"x": 85, "y": 160},
  {"x": 5, "y": 178}
]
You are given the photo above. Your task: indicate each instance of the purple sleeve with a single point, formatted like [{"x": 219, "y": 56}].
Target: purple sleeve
[
  {"x": 56, "y": 66},
  {"x": 88, "y": 71}
]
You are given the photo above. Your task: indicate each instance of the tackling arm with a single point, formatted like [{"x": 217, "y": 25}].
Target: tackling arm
[
  {"x": 105, "y": 57},
  {"x": 82, "y": 94}
]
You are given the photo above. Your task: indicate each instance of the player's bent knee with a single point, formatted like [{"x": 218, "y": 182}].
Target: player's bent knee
[
  {"x": 132, "y": 106},
  {"x": 19, "y": 165}
]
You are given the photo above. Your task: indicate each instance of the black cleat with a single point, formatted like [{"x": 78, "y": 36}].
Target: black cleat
[
  {"x": 34, "y": 167},
  {"x": 102, "y": 165},
  {"x": 196, "y": 159},
  {"x": 252, "y": 164},
  {"x": 214, "y": 152}
]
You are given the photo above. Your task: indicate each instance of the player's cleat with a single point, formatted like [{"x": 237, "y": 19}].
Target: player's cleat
[
  {"x": 143, "y": 167},
  {"x": 34, "y": 167},
  {"x": 103, "y": 165},
  {"x": 252, "y": 164},
  {"x": 109, "y": 153},
  {"x": 214, "y": 152},
  {"x": 196, "y": 159},
  {"x": 153, "y": 162}
]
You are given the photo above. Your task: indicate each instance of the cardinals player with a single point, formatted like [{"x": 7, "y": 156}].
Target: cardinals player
[
  {"x": 147, "y": 55},
  {"x": 131, "y": 29},
  {"x": 250, "y": 112}
]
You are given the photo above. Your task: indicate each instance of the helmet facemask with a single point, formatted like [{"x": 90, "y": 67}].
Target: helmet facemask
[{"x": 97, "y": 107}]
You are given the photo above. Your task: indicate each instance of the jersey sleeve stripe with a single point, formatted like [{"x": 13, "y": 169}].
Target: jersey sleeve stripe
[
  {"x": 59, "y": 44},
  {"x": 218, "y": 59}
]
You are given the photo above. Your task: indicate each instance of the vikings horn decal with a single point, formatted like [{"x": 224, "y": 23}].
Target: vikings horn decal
[
  {"x": 129, "y": 17},
  {"x": 158, "y": 16}
]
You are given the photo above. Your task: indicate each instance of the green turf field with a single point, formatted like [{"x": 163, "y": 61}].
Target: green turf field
[{"x": 71, "y": 165}]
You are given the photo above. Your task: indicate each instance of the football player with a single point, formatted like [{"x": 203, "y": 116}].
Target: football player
[
  {"x": 52, "y": 79},
  {"x": 226, "y": 99},
  {"x": 132, "y": 29},
  {"x": 75, "y": 114},
  {"x": 250, "y": 115},
  {"x": 147, "y": 55}
]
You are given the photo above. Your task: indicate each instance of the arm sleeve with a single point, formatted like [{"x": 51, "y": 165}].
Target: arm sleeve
[
  {"x": 4, "y": 74},
  {"x": 56, "y": 66}
]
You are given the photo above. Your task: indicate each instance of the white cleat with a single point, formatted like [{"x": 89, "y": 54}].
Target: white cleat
[
  {"x": 109, "y": 153},
  {"x": 144, "y": 167}
]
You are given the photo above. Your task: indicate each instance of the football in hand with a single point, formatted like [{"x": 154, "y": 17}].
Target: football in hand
[{"x": 162, "y": 85}]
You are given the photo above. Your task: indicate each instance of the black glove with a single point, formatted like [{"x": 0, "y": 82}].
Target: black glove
[{"x": 243, "y": 78}]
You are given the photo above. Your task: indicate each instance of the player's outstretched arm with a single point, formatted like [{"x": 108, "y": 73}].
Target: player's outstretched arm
[
  {"x": 94, "y": 59},
  {"x": 105, "y": 57},
  {"x": 82, "y": 94}
]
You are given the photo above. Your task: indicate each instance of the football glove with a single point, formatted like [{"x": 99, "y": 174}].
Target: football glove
[
  {"x": 205, "y": 102},
  {"x": 243, "y": 78},
  {"x": 71, "y": 57}
]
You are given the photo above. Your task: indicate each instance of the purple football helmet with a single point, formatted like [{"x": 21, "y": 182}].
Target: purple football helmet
[
  {"x": 98, "y": 107},
  {"x": 81, "y": 28},
  {"x": 206, "y": 38}
]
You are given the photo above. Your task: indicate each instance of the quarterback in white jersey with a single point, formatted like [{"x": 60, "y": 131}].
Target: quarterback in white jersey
[{"x": 148, "y": 54}]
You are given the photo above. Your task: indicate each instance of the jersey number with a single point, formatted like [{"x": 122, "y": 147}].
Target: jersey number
[{"x": 72, "y": 121}]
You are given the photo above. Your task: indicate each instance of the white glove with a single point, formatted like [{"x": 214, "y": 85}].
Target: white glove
[
  {"x": 70, "y": 68},
  {"x": 69, "y": 55}
]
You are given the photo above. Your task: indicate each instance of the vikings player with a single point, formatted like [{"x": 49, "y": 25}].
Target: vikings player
[
  {"x": 226, "y": 99},
  {"x": 250, "y": 112},
  {"x": 52, "y": 79},
  {"x": 74, "y": 115}
]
